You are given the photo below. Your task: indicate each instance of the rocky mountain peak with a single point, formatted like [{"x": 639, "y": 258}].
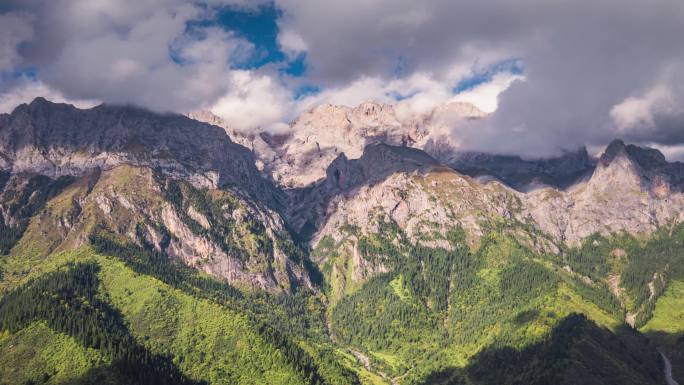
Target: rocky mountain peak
[
  {"x": 525, "y": 174},
  {"x": 59, "y": 139},
  {"x": 377, "y": 162},
  {"x": 648, "y": 165},
  {"x": 647, "y": 158},
  {"x": 319, "y": 135},
  {"x": 616, "y": 148}
]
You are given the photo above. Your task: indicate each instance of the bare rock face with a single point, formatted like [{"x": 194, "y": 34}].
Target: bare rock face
[
  {"x": 357, "y": 170},
  {"x": 320, "y": 135},
  {"x": 629, "y": 191},
  {"x": 58, "y": 139},
  {"x": 310, "y": 206},
  {"x": 214, "y": 231},
  {"x": 255, "y": 142},
  {"x": 163, "y": 180}
]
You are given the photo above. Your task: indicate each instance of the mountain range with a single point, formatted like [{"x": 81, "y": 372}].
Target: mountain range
[{"x": 362, "y": 247}]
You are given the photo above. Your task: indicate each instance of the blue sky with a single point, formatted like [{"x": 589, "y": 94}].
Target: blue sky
[
  {"x": 260, "y": 27},
  {"x": 478, "y": 77}
]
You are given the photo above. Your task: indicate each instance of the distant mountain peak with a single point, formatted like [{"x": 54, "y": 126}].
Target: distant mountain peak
[
  {"x": 646, "y": 157},
  {"x": 614, "y": 148},
  {"x": 58, "y": 139}
]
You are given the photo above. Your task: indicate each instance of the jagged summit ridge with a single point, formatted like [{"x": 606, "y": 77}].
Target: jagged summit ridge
[
  {"x": 59, "y": 139},
  {"x": 321, "y": 134},
  {"x": 632, "y": 188},
  {"x": 652, "y": 168}
]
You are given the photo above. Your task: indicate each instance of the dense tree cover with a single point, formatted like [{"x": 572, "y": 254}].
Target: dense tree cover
[
  {"x": 599, "y": 294},
  {"x": 525, "y": 279},
  {"x": 408, "y": 305},
  {"x": 67, "y": 300},
  {"x": 279, "y": 319},
  {"x": 377, "y": 318},
  {"x": 644, "y": 267},
  {"x": 590, "y": 259},
  {"x": 22, "y": 201},
  {"x": 577, "y": 351},
  {"x": 505, "y": 279},
  {"x": 435, "y": 298}
]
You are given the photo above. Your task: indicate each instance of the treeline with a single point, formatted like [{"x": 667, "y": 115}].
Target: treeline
[
  {"x": 278, "y": 319},
  {"x": 436, "y": 296},
  {"x": 67, "y": 301}
]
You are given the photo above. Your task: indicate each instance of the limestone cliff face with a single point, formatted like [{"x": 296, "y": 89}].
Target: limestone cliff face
[
  {"x": 180, "y": 185},
  {"x": 58, "y": 139},
  {"x": 625, "y": 193},
  {"x": 211, "y": 230},
  {"x": 228, "y": 219},
  {"x": 320, "y": 135},
  {"x": 310, "y": 206},
  {"x": 628, "y": 191}
]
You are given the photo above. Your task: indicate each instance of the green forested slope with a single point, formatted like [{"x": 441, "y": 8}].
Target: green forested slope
[
  {"x": 109, "y": 307},
  {"x": 123, "y": 315}
]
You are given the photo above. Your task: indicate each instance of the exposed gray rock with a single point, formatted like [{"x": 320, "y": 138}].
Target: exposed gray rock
[
  {"x": 521, "y": 174},
  {"x": 58, "y": 139},
  {"x": 309, "y": 207}
]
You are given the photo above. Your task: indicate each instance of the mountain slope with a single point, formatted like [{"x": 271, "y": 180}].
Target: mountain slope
[
  {"x": 209, "y": 340},
  {"x": 148, "y": 178},
  {"x": 58, "y": 139},
  {"x": 156, "y": 236}
]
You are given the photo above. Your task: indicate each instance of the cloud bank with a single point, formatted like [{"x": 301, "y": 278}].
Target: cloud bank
[{"x": 589, "y": 71}]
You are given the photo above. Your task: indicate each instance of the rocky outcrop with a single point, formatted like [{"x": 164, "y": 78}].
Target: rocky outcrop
[
  {"x": 166, "y": 180},
  {"x": 21, "y": 197},
  {"x": 58, "y": 139},
  {"x": 309, "y": 207},
  {"x": 628, "y": 191},
  {"x": 214, "y": 231},
  {"x": 526, "y": 174},
  {"x": 241, "y": 230},
  {"x": 320, "y": 135}
]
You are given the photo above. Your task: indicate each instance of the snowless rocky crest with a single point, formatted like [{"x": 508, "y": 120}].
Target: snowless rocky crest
[
  {"x": 340, "y": 168},
  {"x": 570, "y": 197}
]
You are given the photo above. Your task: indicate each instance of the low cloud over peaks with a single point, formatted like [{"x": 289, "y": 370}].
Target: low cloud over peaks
[{"x": 554, "y": 75}]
